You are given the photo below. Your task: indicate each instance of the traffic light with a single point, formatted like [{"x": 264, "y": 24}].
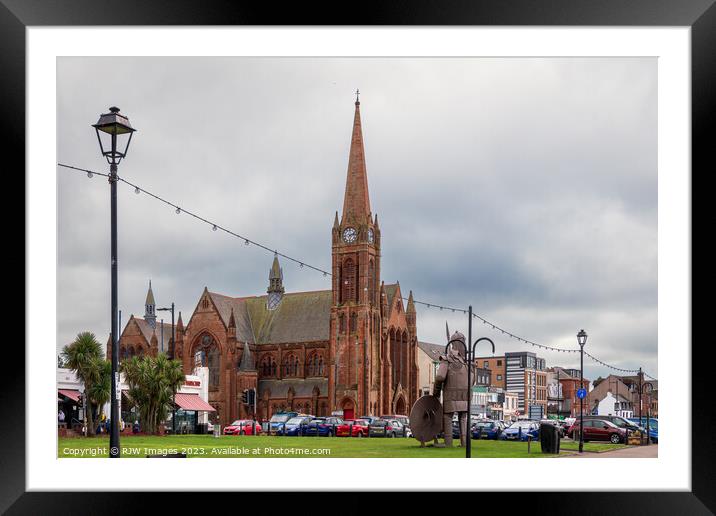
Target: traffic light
[
  {"x": 245, "y": 396},
  {"x": 252, "y": 397}
]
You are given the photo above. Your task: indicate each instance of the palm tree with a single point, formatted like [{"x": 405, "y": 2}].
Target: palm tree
[
  {"x": 102, "y": 388},
  {"x": 83, "y": 356},
  {"x": 152, "y": 381}
]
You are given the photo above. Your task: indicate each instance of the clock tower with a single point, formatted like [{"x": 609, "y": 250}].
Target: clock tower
[{"x": 354, "y": 385}]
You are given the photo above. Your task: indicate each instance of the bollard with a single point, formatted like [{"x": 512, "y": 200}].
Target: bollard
[
  {"x": 519, "y": 433},
  {"x": 350, "y": 430},
  {"x": 529, "y": 442}
]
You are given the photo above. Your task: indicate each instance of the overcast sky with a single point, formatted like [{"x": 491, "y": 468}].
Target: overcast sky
[{"x": 525, "y": 187}]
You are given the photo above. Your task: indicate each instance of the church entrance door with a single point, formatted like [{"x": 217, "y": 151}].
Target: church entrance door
[{"x": 348, "y": 409}]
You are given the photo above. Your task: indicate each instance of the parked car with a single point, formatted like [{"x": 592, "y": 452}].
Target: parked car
[
  {"x": 352, "y": 428},
  {"x": 599, "y": 430},
  {"x": 295, "y": 426},
  {"x": 323, "y": 426},
  {"x": 520, "y": 430},
  {"x": 370, "y": 419},
  {"x": 384, "y": 428},
  {"x": 405, "y": 420},
  {"x": 278, "y": 419},
  {"x": 617, "y": 420},
  {"x": 653, "y": 427},
  {"x": 243, "y": 427},
  {"x": 487, "y": 429},
  {"x": 399, "y": 429}
]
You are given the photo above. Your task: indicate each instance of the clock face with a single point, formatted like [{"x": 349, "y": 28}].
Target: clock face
[
  {"x": 370, "y": 236},
  {"x": 350, "y": 235}
]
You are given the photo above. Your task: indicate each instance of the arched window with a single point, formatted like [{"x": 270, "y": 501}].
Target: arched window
[
  {"x": 210, "y": 357},
  {"x": 140, "y": 352},
  {"x": 213, "y": 360},
  {"x": 290, "y": 365},
  {"x": 342, "y": 323},
  {"x": 371, "y": 283},
  {"x": 130, "y": 352},
  {"x": 354, "y": 322},
  {"x": 268, "y": 366},
  {"x": 315, "y": 364},
  {"x": 349, "y": 281}
]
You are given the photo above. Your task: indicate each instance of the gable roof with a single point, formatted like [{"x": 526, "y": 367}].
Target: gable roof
[
  {"x": 432, "y": 350},
  {"x": 300, "y": 317},
  {"x": 147, "y": 331}
]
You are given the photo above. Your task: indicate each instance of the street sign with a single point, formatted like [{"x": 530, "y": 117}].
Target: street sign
[{"x": 581, "y": 393}]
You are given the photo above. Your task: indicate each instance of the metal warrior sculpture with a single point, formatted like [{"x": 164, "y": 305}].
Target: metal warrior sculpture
[{"x": 428, "y": 416}]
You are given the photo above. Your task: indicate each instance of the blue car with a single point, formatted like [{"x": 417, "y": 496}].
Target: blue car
[
  {"x": 487, "y": 430},
  {"x": 295, "y": 426},
  {"x": 277, "y": 420},
  {"x": 653, "y": 427},
  {"x": 323, "y": 426},
  {"x": 519, "y": 430}
]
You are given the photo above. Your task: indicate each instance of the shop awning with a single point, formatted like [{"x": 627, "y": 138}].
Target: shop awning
[
  {"x": 192, "y": 402},
  {"x": 70, "y": 393}
]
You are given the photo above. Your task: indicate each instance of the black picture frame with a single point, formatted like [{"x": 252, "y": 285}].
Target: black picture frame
[{"x": 700, "y": 15}]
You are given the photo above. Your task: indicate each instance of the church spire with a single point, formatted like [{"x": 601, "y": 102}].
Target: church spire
[
  {"x": 150, "y": 314},
  {"x": 275, "y": 289},
  {"x": 247, "y": 360},
  {"x": 356, "y": 201}
]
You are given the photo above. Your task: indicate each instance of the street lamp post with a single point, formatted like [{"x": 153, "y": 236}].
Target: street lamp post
[
  {"x": 582, "y": 340},
  {"x": 644, "y": 388},
  {"x": 171, "y": 357},
  {"x": 470, "y": 359},
  {"x": 112, "y": 129}
]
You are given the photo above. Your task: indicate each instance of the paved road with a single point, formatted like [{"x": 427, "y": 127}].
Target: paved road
[{"x": 639, "y": 452}]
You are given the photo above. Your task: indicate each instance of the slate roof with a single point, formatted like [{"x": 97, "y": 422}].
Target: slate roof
[
  {"x": 302, "y": 387},
  {"x": 390, "y": 291},
  {"x": 432, "y": 350},
  {"x": 300, "y": 317},
  {"x": 147, "y": 331}
]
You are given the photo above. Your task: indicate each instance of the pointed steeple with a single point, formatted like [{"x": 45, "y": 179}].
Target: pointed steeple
[
  {"x": 410, "y": 314},
  {"x": 275, "y": 289},
  {"x": 150, "y": 314},
  {"x": 231, "y": 328},
  {"x": 356, "y": 201},
  {"x": 411, "y": 304},
  {"x": 247, "y": 360},
  {"x": 180, "y": 325}
]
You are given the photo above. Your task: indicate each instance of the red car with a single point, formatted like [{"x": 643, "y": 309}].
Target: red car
[
  {"x": 360, "y": 428},
  {"x": 598, "y": 430},
  {"x": 243, "y": 427}
]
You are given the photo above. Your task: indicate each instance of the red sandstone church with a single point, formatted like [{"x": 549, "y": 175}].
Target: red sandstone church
[{"x": 352, "y": 348}]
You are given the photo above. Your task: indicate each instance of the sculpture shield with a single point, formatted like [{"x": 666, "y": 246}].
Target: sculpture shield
[{"x": 426, "y": 418}]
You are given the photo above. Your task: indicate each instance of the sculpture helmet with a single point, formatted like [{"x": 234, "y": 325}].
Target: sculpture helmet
[{"x": 455, "y": 341}]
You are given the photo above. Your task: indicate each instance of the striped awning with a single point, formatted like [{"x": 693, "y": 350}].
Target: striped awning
[
  {"x": 192, "y": 402},
  {"x": 74, "y": 395}
]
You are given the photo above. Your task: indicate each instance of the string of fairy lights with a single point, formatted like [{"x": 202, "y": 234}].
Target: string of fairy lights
[{"x": 302, "y": 264}]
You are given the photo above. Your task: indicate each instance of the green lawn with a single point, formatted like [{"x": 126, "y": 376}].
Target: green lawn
[{"x": 283, "y": 447}]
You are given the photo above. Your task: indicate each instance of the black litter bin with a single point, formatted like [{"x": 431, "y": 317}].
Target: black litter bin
[{"x": 549, "y": 438}]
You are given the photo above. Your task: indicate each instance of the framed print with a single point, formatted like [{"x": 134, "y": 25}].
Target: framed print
[{"x": 349, "y": 257}]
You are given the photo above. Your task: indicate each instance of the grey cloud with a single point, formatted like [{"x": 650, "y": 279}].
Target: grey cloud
[{"x": 526, "y": 187}]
